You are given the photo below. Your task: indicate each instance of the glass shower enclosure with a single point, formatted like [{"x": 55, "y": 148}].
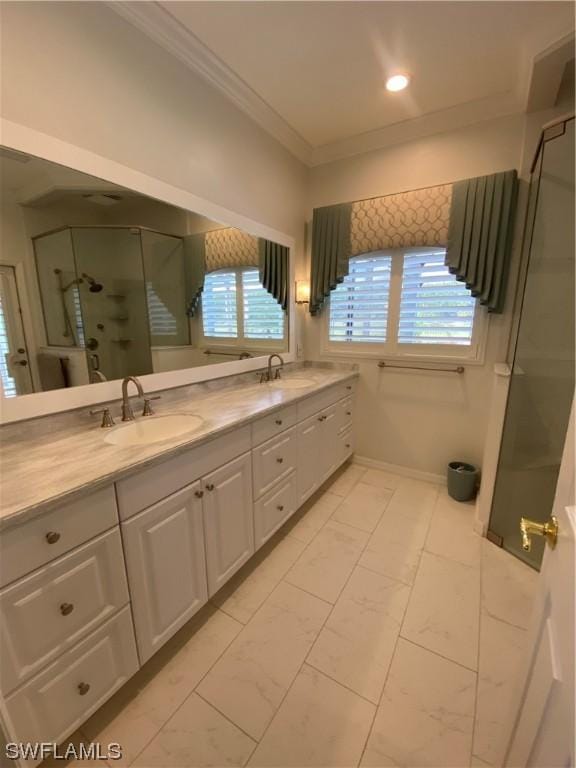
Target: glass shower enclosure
[
  {"x": 113, "y": 292},
  {"x": 542, "y": 380}
]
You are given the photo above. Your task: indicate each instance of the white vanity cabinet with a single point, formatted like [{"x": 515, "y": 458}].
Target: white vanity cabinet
[
  {"x": 91, "y": 590},
  {"x": 228, "y": 520},
  {"x": 164, "y": 548}
]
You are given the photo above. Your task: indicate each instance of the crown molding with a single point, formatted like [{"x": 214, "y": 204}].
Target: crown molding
[
  {"x": 453, "y": 118},
  {"x": 159, "y": 24}
]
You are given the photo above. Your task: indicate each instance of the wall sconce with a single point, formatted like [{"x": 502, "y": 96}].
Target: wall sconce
[{"x": 302, "y": 291}]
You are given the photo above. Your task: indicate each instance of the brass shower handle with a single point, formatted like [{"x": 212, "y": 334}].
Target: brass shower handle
[{"x": 529, "y": 528}]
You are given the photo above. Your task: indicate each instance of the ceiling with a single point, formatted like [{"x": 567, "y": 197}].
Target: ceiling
[{"x": 314, "y": 72}]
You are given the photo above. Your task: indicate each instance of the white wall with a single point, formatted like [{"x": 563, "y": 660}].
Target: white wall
[
  {"x": 80, "y": 73},
  {"x": 416, "y": 419}
]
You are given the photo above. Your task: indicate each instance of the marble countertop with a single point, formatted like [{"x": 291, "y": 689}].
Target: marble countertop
[{"x": 49, "y": 461}]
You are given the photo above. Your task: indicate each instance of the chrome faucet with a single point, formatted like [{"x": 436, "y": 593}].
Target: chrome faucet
[
  {"x": 127, "y": 412},
  {"x": 268, "y": 375}
]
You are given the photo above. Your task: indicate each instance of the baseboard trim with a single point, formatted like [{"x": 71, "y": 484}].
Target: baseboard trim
[{"x": 416, "y": 474}]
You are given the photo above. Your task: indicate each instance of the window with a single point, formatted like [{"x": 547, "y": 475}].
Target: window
[
  {"x": 263, "y": 316},
  {"x": 236, "y": 306},
  {"x": 402, "y": 303},
  {"x": 435, "y": 308}
]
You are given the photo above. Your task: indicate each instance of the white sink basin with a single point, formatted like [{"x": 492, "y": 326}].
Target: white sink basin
[
  {"x": 153, "y": 429},
  {"x": 292, "y": 383}
]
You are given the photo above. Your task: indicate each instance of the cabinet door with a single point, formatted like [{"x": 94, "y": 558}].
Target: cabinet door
[
  {"x": 309, "y": 457},
  {"x": 228, "y": 520},
  {"x": 164, "y": 548}
]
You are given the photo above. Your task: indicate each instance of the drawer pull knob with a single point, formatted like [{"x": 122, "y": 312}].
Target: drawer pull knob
[
  {"x": 348, "y": 413},
  {"x": 52, "y": 537},
  {"x": 348, "y": 445},
  {"x": 322, "y": 418},
  {"x": 348, "y": 387},
  {"x": 66, "y": 609},
  {"x": 209, "y": 487},
  {"x": 280, "y": 507},
  {"x": 279, "y": 422},
  {"x": 198, "y": 494},
  {"x": 83, "y": 688},
  {"x": 279, "y": 459}
]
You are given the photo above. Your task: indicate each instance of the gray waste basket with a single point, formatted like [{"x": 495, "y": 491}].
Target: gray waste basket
[{"x": 462, "y": 480}]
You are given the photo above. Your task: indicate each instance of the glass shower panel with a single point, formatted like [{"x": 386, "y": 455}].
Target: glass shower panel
[
  {"x": 113, "y": 299},
  {"x": 59, "y": 289},
  {"x": 542, "y": 382},
  {"x": 163, "y": 257}
]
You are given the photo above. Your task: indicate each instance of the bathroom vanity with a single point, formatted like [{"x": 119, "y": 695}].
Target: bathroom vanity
[{"x": 107, "y": 549}]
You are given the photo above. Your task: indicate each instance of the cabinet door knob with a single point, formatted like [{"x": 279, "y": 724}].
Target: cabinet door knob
[
  {"x": 280, "y": 507},
  {"x": 198, "y": 494},
  {"x": 348, "y": 413},
  {"x": 52, "y": 537},
  {"x": 66, "y": 609},
  {"x": 279, "y": 422},
  {"x": 348, "y": 387},
  {"x": 279, "y": 459},
  {"x": 209, "y": 486},
  {"x": 348, "y": 445},
  {"x": 83, "y": 688}
]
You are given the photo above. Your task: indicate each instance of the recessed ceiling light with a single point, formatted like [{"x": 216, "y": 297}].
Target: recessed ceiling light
[{"x": 397, "y": 82}]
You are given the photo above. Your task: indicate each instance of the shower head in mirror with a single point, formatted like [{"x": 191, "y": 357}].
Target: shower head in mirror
[{"x": 94, "y": 287}]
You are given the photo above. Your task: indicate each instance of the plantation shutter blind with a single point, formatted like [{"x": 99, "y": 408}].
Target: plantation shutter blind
[
  {"x": 219, "y": 309},
  {"x": 263, "y": 315},
  {"x": 359, "y": 305},
  {"x": 434, "y": 307}
]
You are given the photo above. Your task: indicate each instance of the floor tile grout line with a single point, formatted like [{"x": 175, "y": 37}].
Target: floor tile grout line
[
  {"x": 227, "y": 717},
  {"x": 188, "y": 696},
  {"x": 474, "y": 722},
  {"x": 392, "y": 657},
  {"x": 315, "y": 639},
  {"x": 439, "y": 655},
  {"x": 410, "y": 587}
]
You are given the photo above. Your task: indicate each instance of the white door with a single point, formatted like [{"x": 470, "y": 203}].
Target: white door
[
  {"x": 14, "y": 364},
  {"x": 164, "y": 548},
  {"x": 309, "y": 459},
  {"x": 542, "y": 728},
  {"x": 228, "y": 520}
]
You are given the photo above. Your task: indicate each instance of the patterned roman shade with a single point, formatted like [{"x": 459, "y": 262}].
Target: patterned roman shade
[
  {"x": 229, "y": 248},
  {"x": 473, "y": 219},
  {"x": 406, "y": 220}
]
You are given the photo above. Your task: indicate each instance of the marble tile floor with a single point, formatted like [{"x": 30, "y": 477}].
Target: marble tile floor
[{"x": 375, "y": 629}]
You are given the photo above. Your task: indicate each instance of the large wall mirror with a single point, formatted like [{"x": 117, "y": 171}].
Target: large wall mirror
[{"x": 98, "y": 282}]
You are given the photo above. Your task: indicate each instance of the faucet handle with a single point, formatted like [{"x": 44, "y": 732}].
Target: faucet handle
[
  {"x": 147, "y": 410},
  {"x": 278, "y": 373},
  {"x": 107, "y": 420}
]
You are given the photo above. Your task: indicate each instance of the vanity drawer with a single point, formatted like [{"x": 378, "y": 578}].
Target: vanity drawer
[
  {"x": 346, "y": 444},
  {"x": 274, "y": 508},
  {"x": 345, "y": 413},
  {"x": 272, "y": 425},
  {"x": 145, "y": 488},
  {"x": 273, "y": 461},
  {"x": 318, "y": 402},
  {"x": 25, "y": 547},
  {"x": 52, "y": 705},
  {"x": 44, "y": 614}
]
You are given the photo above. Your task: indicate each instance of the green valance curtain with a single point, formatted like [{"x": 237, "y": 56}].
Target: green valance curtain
[
  {"x": 480, "y": 235},
  {"x": 472, "y": 219},
  {"x": 273, "y": 270},
  {"x": 194, "y": 270},
  {"x": 331, "y": 250}
]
